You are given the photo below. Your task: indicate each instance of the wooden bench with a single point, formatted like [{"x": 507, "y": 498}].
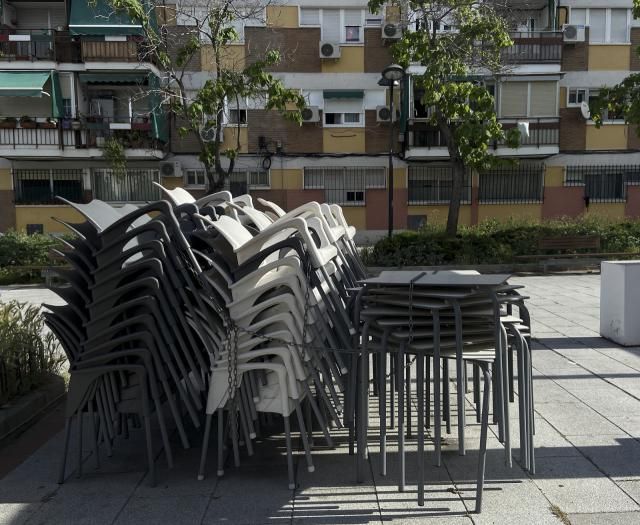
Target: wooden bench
[{"x": 572, "y": 251}]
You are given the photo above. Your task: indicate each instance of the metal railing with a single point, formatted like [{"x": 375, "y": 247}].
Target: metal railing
[
  {"x": 41, "y": 186},
  {"x": 535, "y": 47},
  {"x": 543, "y": 131},
  {"x": 346, "y": 186},
  {"x": 62, "y": 46},
  {"x": 429, "y": 184},
  {"x": 603, "y": 183},
  {"x": 523, "y": 184},
  {"x": 86, "y": 132},
  {"x": 135, "y": 185}
]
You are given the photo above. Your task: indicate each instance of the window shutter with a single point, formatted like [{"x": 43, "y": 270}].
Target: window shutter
[
  {"x": 513, "y": 99},
  {"x": 353, "y": 17},
  {"x": 543, "y": 99},
  {"x": 309, "y": 16},
  {"x": 331, "y": 29},
  {"x": 343, "y": 105}
]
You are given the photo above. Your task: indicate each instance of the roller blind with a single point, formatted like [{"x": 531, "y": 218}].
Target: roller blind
[
  {"x": 543, "y": 99},
  {"x": 352, "y": 17},
  {"x": 331, "y": 29},
  {"x": 342, "y": 105},
  {"x": 513, "y": 99},
  {"x": 597, "y": 25},
  {"x": 309, "y": 16}
]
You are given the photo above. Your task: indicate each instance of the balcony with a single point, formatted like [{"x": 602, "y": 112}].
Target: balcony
[
  {"x": 78, "y": 138},
  {"x": 425, "y": 141},
  {"x": 61, "y": 46},
  {"x": 534, "y": 47}
]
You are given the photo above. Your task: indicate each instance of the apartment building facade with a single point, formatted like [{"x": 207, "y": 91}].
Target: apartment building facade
[{"x": 78, "y": 78}]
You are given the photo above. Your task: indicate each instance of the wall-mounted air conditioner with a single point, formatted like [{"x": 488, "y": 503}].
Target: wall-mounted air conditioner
[
  {"x": 383, "y": 114},
  {"x": 391, "y": 31},
  {"x": 171, "y": 168},
  {"x": 311, "y": 114},
  {"x": 573, "y": 33},
  {"x": 329, "y": 50}
]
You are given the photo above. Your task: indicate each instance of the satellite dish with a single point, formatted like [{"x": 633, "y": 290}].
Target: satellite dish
[
  {"x": 523, "y": 128},
  {"x": 584, "y": 108}
]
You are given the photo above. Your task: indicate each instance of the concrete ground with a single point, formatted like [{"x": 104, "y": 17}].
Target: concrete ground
[{"x": 587, "y": 399}]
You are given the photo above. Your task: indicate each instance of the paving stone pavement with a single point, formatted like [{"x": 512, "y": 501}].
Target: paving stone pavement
[{"x": 587, "y": 399}]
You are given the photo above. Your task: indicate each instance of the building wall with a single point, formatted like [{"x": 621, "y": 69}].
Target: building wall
[{"x": 44, "y": 215}]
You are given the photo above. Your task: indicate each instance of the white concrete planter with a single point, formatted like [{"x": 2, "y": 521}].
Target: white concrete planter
[{"x": 620, "y": 302}]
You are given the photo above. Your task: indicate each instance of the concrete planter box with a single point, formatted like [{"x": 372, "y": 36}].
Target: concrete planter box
[{"x": 620, "y": 302}]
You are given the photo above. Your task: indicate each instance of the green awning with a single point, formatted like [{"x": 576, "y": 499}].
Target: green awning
[
  {"x": 57, "y": 110},
  {"x": 23, "y": 83},
  {"x": 160, "y": 128},
  {"x": 344, "y": 94},
  {"x": 99, "y": 18},
  {"x": 112, "y": 78}
]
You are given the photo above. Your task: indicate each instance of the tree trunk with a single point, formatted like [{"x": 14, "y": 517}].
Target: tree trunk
[{"x": 457, "y": 189}]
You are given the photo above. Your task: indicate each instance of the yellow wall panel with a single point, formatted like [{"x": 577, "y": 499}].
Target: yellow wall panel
[
  {"x": 611, "y": 58},
  {"x": 286, "y": 179},
  {"x": 438, "y": 214},
  {"x": 507, "y": 211},
  {"x": 172, "y": 182},
  {"x": 563, "y": 97},
  {"x": 350, "y": 61},
  {"x": 282, "y": 16},
  {"x": 611, "y": 210},
  {"x": 6, "y": 182},
  {"x": 42, "y": 215},
  {"x": 343, "y": 140},
  {"x": 233, "y": 57},
  {"x": 356, "y": 216},
  {"x": 230, "y": 139},
  {"x": 554, "y": 176},
  {"x": 399, "y": 178},
  {"x": 612, "y": 136}
]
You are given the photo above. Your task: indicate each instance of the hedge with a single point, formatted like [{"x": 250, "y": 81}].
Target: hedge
[
  {"x": 495, "y": 242},
  {"x": 20, "y": 250}
]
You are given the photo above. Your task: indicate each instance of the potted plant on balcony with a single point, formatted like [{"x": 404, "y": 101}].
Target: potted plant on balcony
[
  {"x": 8, "y": 123},
  {"x": 48, "y": 124},
  {"x": 27, "y": 122}
]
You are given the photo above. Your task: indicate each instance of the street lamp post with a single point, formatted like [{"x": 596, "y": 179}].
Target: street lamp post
[{"x": 391, "y": 76}]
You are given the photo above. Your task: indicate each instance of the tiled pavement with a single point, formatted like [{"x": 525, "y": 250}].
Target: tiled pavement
[{"x": 587, "y": 397}]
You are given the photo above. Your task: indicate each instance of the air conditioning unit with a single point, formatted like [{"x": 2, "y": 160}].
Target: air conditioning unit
[
  {"x": 573, "y": 33},
  {"x": 391, "y": 31},
  {"x": 9, "y": 17},
  {"x": 383, "y": 114},
  {"x": 209, "y": 134},
  {"x": 329, "y": 50},
  {"x": 311, "y": 114},
  {"x": 171, "y": 168}
]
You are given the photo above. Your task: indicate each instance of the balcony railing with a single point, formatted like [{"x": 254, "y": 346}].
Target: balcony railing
[
  {"x": 542, "y": 132},
  {"x": 61, "y": 46},
  {"x": 87, "y": 132},
  {"x": 535, "y": 47}
]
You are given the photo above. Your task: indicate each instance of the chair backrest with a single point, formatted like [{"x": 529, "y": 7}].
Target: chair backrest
[{"x": 177, "y": 196}]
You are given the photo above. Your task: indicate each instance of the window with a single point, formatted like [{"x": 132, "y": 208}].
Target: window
[
  {"x": 339, "y": 25},
  {"x": 43, "y": 186},
  {"x": 528, "y": 99},
  {"x": 238, "y": 116},
  {"x": 603, "y": 183},
  {"x": 373, "y": 20},
  {"x": 67, "y": 108},
  {"x": 605, "y": 25},
  {"x": 242, "y": 180},
  {"x": 345, "y": 186},
  {"x": 431, "y": 184},
  {"x": 136, "y": 185},
  {"x": 195, "y": 177},
  {"x": 345, "y": 112},
  {"x": 522, "y": 184},
  {"x": 577, "y": 96}
]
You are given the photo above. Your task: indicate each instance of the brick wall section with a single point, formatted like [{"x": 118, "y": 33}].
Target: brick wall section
[
  {"x": 573, "y": 130},
  {"x": 7, "y": 211},
  {"x": 187, "y": 144},
  {"x": 575, "y": 57},
  {"x": 299, "y": 48},
  {"x": 377, "y": 54},
  {"x": 377, "y": 134},
  {"x": 177, "y": 37},
  {"x": 295, "y": 139},
  {"x": 635, "y": 43}
]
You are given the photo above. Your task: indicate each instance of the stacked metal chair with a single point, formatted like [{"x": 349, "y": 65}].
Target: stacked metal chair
[{"x": 443, "y": 317}]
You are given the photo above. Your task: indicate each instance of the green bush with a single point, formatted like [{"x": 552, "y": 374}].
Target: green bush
[
  {"x": 28, "y": 352},
  {"x": 495, "y": 242},
  {"x": 20, "y": 249}
]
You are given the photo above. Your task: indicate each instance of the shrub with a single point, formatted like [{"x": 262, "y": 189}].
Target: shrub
[
  {"x": 20, "y": 249},
  {"x": 495, "y": 242},
  {"x": 28, "y": 352}
]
